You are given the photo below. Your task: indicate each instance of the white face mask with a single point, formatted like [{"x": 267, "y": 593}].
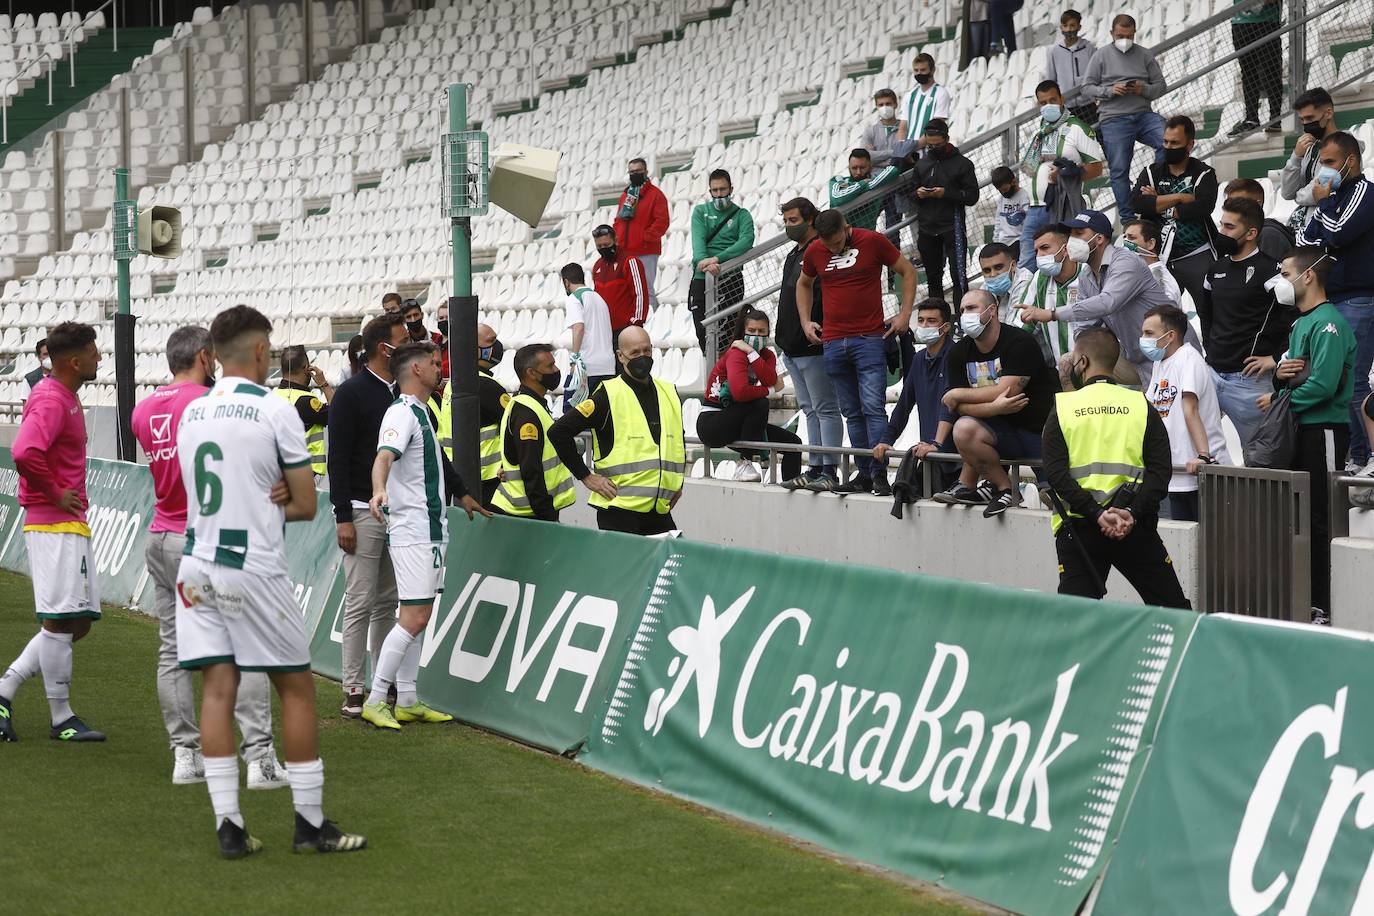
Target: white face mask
[
  {"x": 972, "y": 323},
  {"x": 1124, "y": 44},
  {"x": 1283, "y": 290},
  {"x": 928, "y": 335},
  {"x": 1079, "y": 250},
  {"x": 46, "y": 364},
  {"x": 886, "y": 112},
  {"x": 1046, "y": 264}
]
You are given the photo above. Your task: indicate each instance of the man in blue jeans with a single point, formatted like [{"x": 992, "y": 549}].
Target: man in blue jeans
[
  {"x": 1124, "y": 78},
  {"x": 1343, "y": 223},
  {"x": 849, "y": 264}
]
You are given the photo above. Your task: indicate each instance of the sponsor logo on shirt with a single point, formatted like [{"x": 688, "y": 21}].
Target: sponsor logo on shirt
[
  {"x": 1163, "y": 396},
  {"x": 160, "y": 425},
  {"x": 844, "y": 260},
  {"x": 1330, "y": 328}
]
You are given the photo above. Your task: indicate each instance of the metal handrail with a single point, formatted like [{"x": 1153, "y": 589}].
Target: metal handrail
[
  {"x": 53, "y": 63},
  {"x": 548, "y": 38}
]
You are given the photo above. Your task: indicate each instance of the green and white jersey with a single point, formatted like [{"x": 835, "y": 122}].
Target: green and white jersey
[
  {"x": 1069, "y": 139},
  {"x": 233, "y": 443},
  {"x": 1036, "y": 289},
  {"x": 844, "y": 189},
  {"x": 920, "y": 105},
  {"x": 415, "y": 488}
]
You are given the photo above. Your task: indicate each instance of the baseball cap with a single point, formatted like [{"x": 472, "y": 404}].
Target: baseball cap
[{"x": 1095, "y": 220}]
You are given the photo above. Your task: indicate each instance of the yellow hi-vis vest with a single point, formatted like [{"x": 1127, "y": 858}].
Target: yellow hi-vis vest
[
  {"x": 1104, "y": 429},
  {"x": 510, "y": 496},
  {"x": 648, "y": 474},
  {"x": 314, "y": 435},
  {"x": 488, "y": 447}
]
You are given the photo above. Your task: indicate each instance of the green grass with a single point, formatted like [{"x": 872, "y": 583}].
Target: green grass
[{"x": 458, "y": 820}]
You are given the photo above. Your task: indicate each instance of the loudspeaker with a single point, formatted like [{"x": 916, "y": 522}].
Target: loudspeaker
[
  {"x": 159, "y": 231},
  {"x": 522, "y": 179}
]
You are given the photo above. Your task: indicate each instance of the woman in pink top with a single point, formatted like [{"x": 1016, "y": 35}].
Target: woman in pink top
[{"x": 736, "y": 404}]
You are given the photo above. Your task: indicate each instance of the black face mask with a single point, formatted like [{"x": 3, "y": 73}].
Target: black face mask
[
  {"x": 608, "y": 253},
  {"x": 924, "y": 78},
  {"x": 415, "y": 327},
  {"x": 1009, "y": 194},
  {"x": 1226, "y": 246},
  {"x": 638, "y": 178},
  {"x": 550, "y": 380},
  {"x": 443, "y": 326},
  {"x": 1314, "y": 128},
  {"x": 1176, "y": 156},
  {"x": 493, "y": 353},
  {"x": 640, "y": 367}
]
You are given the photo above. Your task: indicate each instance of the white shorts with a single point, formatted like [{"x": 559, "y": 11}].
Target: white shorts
[
  {"x": 63, "y": 574},
  {"x": 244, "y": 618},
  {"x": 419, "y": 571}
]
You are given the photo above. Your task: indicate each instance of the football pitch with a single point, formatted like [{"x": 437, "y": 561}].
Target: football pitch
[{"x": 456, "y": 819}]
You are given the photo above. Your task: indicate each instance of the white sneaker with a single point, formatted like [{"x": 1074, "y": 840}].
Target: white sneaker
[
  {"x": 188, "y": 767},
  {"x": 1352, "y": 469},
  {"x": 267, "y": 773},
  {"x": 747, "y": 472},
  {"x": 1367, "y": 470}
]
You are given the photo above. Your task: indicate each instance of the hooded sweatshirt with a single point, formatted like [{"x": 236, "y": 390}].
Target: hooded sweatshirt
[
  {"x": 1068, "y": 66},
  {"x": 1109, "y": 66}
]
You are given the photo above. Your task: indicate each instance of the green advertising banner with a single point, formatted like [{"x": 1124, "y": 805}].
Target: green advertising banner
[
  {"x": 982, "y": 739},
  {"x": 1259, "y": 797},
  {"x": 11, "y": 515}
]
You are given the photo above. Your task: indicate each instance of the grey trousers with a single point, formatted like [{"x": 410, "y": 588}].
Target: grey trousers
[
  {"x": 369, "y": 598},
  {"x": 175, "y": 691}
]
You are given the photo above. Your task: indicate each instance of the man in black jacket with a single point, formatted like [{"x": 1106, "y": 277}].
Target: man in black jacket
[
  {"x": 945, "y": 184},
  {"x": 1180, "y": 194},
  {"x": 803, "y": 359}
]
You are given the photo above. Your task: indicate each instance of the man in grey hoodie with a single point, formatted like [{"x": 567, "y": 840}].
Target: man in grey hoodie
[
  {"x": 1124, "y": 78},
  {"x": 1067, "y": 65}
]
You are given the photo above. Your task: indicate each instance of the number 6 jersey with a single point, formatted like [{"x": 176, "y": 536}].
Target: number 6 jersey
[{"x": 233, "y": 445}]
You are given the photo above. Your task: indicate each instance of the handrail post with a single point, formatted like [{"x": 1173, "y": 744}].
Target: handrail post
[
  {"x": 712, "y": 328},
  {"x": 1297, "y": 51},
  {"x": 114, "y": 18}
]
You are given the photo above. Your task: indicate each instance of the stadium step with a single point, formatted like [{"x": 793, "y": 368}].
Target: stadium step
[{"x": 97, "y": 62}]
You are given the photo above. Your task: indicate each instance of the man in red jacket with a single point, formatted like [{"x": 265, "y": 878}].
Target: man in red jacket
[
  {"x": 620, "y": 280},
  {"x": 641, "y": 220}
]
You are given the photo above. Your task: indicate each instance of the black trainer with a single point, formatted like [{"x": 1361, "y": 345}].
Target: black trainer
[
  {"x": 881, "y": 487},
  {"x": 7, "y": 732},
  {"x": 74, "y": 729},
  {"x": 859, "y": 483},
  {"x": 325, "y": 838},
  {"x": 1243, "y": 127},
  {"x": 235, "y": 842},
  {"x": 1003, "y": 501}
]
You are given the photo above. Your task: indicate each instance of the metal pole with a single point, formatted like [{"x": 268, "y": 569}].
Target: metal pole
[
  {"x": 114, "y": 19},
  {"x": 308, "y": 24},
  {"x": 462, "y": 311},
  {"x": 248, "y": 81},
  {"x": 1297, "y": 51},
  {"x": 188, "y": 89},
  {"x": 124, "y": 332},
  {"x": 59, "y": 191}
]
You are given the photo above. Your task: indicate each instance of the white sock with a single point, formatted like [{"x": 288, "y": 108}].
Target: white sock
[
  {"x": 55, "y": 660},
  {"x": 389, "y": 660},
  {"x": 222, "y": 779},
  {"x": 407, "y": 674},
  {"x": 22, "y": 668},
  {"x": 307, "y": 789}
]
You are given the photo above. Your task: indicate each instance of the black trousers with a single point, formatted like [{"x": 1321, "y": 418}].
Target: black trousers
[
  {"x": 1191, "y": 273},
  {"x": 1261, "y": 70},
  {"x": 937, "y": 251},
  {"x": 729, "y": 290},
  {"x": 1184, "y": 506},
  {"x": 1321, "y": 449},
  {"x": 489, "y": 488},
  {"x": 1140, "y": 557},
  {"x": 627, "y": 522},
  {"x": 748, "y": 421}
]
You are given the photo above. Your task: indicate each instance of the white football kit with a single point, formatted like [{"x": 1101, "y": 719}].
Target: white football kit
[{"x": 417, "y": 521}]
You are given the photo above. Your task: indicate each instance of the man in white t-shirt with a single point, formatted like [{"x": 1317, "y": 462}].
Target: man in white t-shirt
[
  {"x": 410, "y": 495},
  {"x": 236, "y": 609},
  {"x": 1143, "y": 237},
  {"x": 589, "y": 320},
  {"x": 1181, "y": 390}
]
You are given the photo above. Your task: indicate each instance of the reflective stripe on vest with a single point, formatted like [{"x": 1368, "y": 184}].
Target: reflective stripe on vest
[
  {"x": 1104, "y": 429},
  {"x": 488, "y": 445},
  {"x": 314, "y": 435},
  {"x": 511, "y": 496},
  {"x": 647, "y": 474}
]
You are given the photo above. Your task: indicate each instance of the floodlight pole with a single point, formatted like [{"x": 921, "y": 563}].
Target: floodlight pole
[
  {"x": 125, "y": 223},
  {"x": 462, "y": 305}
]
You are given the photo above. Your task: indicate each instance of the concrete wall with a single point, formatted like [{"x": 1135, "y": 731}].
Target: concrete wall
[{"x": 1016, "y": 550}]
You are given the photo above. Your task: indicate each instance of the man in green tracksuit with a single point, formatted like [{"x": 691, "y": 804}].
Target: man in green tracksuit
[
  {"x": 1319, "y": 370},
  {"x": 721, "y": 230},
  {"x": 860, "y": 180}
]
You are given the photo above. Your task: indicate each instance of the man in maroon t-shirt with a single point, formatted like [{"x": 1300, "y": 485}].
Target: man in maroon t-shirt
[{"x": 849, "y": 263}]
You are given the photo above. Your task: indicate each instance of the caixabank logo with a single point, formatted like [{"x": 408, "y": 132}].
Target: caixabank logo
[{"x": 954, "y": 726}]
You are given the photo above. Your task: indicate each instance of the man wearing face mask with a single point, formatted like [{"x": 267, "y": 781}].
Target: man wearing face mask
[
  {"x": 1059, "y": 159},
  {"x": 1115, "y": 289},
  {"x": 44, "y": 369},
  {"x": 441, "y": 326},
  {"x": 925, "y": 383},
  {"x": 1317, "y": 117},
  {"x": 641, "y": 458},
  {"x": 491, "y": 407},
  {"x": 589, "y": 322},
  {"x": 1052, "y": 286},
  {"x": 620, "y": 280},
  {"x": 721, "y": 230},
  {"x": 946, "y": 185},
  {"x": 1124, "y": 78},
  {"x": 1142, "y": 236},
  {"x": 999, "y": 277},
  {"x": 1318, "y": 369},
  {"x": 1066, "y": 65},
  {"x": 1244, "y": 330},
  {"x": 927, "y": 100},
  {"x": 641, "y": 221},
  {"x": 297, "y": 378},
  {"x": 1343, "y": 224},
  {"x": 1181, "y": 195},
  {"x": 861, "y": 179},
  {"x": 534, "y": 483}
]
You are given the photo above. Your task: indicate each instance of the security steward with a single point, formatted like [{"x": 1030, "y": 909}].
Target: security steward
[
  {"x": 1106, "y": 454},
  {"x": 534, "y": 482},
  {"x": 297, "y": 377},
  {"x": 636, "y": 425},
  {"x": 491, "y": 407}
]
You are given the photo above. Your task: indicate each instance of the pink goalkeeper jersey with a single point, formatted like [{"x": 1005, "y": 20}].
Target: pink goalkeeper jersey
[
  {"x": 50, "y": 453},
  {"x": 155, "y": 424}
]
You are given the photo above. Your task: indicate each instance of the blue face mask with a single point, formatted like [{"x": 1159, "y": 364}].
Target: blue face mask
[
  {"x": 1051, "y": 113},
  {"x": 1329, "y": 176},
  {"x": 1151, "y": 349},
  {"x": 999, "y": 285}
]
